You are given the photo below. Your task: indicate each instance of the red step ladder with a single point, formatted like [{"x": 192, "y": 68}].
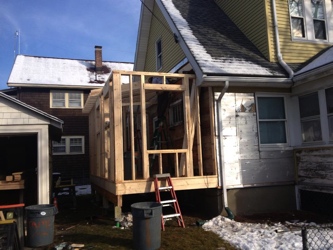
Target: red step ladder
[{"x": 172, "y": 202}]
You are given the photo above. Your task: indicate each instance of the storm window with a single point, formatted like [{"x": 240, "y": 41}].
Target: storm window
[
  {"x": 272, "y": 120},
  {"x": 310, "y": 117},
  {"x": 329, "y": 105}
]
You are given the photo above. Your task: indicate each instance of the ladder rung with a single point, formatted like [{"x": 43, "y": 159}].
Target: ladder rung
[
  {"x": 170, "y": 216},
  {"x": 162, "y": 175},
  {"x": 167, "y": 201},
  {"x": 165, "y": 188}
]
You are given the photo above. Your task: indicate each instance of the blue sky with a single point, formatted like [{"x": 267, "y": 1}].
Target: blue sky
[{"x": 67, "y": 29}]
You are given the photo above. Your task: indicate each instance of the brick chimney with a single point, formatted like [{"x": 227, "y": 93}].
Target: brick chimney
[{"x": 98, "y": 59}]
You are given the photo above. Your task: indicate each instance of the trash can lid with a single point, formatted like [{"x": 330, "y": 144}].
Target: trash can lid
[{"x": 146, "y": 205}]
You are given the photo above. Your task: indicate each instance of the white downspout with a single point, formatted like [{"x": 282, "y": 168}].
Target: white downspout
[
  {"x": 221, "y": 169},
  {"x": 277, "y": 43}
]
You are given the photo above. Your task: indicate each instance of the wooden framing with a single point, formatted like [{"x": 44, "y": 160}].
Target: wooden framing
[{"x": 121, "y": 120}]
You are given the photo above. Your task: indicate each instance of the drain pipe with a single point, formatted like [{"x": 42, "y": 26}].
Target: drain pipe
[
  {"x": 277, "y": 43},
  {"x": 288, "y": 69},
  {"x": 221, "y": 169}
]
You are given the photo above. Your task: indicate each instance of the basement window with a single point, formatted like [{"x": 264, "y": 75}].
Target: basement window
[
  {"x": 66, "y": 99},
  {"x": 310, "y": 117},
  {"x": 272, "y": 120},
  {"x": 69, "y": 145}
]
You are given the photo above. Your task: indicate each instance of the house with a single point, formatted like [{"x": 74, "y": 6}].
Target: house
[
  {"x": 256, "y": 86},
  {"x": 60, "y": 87},
  {"x": 26, "y": 134}
]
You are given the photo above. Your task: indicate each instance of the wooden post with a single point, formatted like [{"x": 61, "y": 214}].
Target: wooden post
[
  {"x": 187, "y": 120},
  {"x": 212, "y": 127},
  {"x": 132, "y": 129},
  {"x": 145, "y": 160},
  {"x": 112, "y": 163},
  {"x": 118, "y": 128}
]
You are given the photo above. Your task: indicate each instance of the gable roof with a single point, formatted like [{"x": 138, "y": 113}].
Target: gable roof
[
  {"x": 213, "y": 43},
  {"x": 60, "y": 72},
  {"x": 54, "y": 121}
]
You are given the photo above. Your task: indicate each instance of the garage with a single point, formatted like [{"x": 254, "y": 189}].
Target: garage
[{"x": 26, "y": 134}]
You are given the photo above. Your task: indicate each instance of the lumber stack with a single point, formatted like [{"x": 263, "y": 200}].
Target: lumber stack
[{"x": 17, "y": 176}]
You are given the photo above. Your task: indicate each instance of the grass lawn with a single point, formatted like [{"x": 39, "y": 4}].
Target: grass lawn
[{"x": 93, "y": 226}]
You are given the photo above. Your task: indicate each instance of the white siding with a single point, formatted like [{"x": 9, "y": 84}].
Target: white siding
[{"x": 245, "y": 164}]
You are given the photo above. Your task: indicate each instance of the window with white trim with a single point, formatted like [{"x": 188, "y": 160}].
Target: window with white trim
[
  {"x": 69, "y": 145},
  {"x": 310, "y": 117},
  {"x": 271, "y": 120},
  {"x": 66, "y": 99},
  {"x": 310, "y": 19},
  {"x": 176, "y": 114},
  {"x": 158, "y": 54}
]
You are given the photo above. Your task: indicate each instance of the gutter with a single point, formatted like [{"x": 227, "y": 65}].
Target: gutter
[{"x": 277, "y": 43}]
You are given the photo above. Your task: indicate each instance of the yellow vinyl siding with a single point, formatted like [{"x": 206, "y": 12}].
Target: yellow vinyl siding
[
  {"x": 172, "y": 54},
  {"x": 294, "y": 51},
  {"x": 250, "y": 17}
]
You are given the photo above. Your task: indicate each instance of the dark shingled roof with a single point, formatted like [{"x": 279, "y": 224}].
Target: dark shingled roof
[{"x": 231, "y": 52}]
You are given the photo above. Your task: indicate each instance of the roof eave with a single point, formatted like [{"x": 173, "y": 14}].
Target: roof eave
[
  {"x": 309, "y": 75},
  {"x": 246, "y": 81},
  {"x": 58, "y": 86},
  {"x": 54, "y": 121}
]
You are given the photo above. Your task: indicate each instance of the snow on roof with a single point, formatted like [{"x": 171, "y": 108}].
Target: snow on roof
[
  {"x": 323, "y": 59},
  {"x": 33, "y": 70},
  {"x": 227, "y": 64}
]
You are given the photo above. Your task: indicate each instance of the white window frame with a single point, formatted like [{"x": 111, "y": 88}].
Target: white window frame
[
  {"x": 68, "y": 146},
  {"x": 285, "y": 120},
  {"x": 309, "y": 21},
  {"x": 176, "y": 107},
  {"x": 66, "y": 100},
  {"x": 158, "y": 47}
]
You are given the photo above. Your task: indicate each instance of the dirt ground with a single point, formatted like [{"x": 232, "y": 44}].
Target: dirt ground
[{"x": 94, "y": 227}]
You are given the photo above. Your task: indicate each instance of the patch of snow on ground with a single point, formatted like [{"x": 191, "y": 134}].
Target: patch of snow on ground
[{"x": 255, "y": 236}]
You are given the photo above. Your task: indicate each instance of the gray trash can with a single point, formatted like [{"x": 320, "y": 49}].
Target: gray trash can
[
  {"x": 146, "y": 225},
  {"x": 40, "y": 224}
]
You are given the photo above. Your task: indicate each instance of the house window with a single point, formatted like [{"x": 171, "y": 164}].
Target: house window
[
  {"x": 329, "y": 105},
  {"x": 69, "y": 145},
  {"x": 297, "y": 18},
  {"x": 176, "y": 115},
  {"x": 271, "y": 120},
  {"x": 63, "y": 99},
  {"x": 309, "y": 18},
  {"x": 310, "y": 117},
  {"x": 158, "y": 54}
]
